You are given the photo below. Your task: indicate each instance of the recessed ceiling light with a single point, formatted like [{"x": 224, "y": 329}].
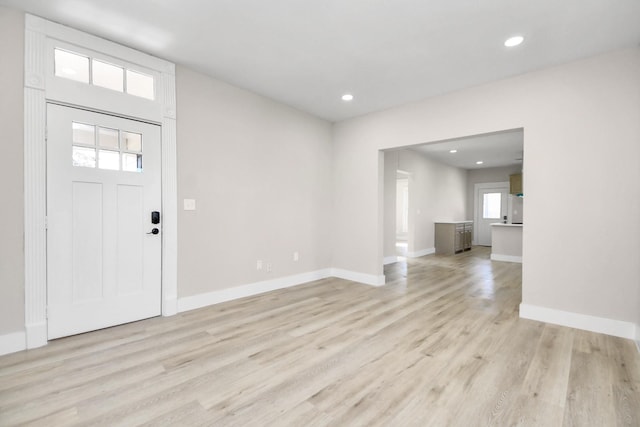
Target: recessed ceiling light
[
  {"x": 513, "y": 41},
  {"x": 479, "y": 162},
  {"x": 347, "y": 97},
  {"x": 453, "y": 151}
]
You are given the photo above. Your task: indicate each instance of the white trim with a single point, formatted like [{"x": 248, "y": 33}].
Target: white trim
[
  {"x": 637, "y": 339},
  {"x": 210, "y": 298},
  {"x": 354, "y": 276},
  {"x": 216, "y": 297},
  {"x": 35, "y": 191},
  {"x": 421, "y": 252},
  {"x": 10, "y": 343},
  {"x": 602, "y": 325},
  {"x": 390, "y": 259},
  {"x": 506, "y": 258},
  {"x": 169, "y": 210},
  {"x": 36, "y": 95},
  {"x": 36, "y": 333}
]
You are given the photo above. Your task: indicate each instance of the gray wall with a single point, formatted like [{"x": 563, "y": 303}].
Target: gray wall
[
  {"x": 261, "y": 176},
  {"x": 11, "y": 172},
  {"x": 581, "y": 133}
]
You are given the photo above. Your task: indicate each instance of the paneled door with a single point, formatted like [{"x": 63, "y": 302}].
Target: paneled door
[
  {"x": 103, "y": 221},
  {"x": 491, "y": 207}
]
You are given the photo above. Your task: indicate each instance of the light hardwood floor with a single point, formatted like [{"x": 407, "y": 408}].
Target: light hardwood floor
[{"x": 441, "y": 344}]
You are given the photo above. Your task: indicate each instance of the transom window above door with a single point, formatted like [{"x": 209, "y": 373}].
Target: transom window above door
[
  {"x": 84, "y": 69},
  {"x": 105, "y": 148}
]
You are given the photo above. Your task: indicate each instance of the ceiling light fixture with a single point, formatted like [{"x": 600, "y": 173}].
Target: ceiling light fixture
[
  {"x": 479, "y": 162},
  {"x": 347, "y": 97},
  {"x": 453, "y": 151},
  {"x": 513, "y": 41}
]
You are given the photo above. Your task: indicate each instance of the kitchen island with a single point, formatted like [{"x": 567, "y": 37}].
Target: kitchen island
[{"x": 506, "y": 242}]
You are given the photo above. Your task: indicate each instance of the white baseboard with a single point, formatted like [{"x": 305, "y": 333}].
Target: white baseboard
[
  {"x": 367, "y": 279},
  {"x": 586, "y": 322},
  {"x": 421, "y": 252},
  {"x": 506, "y": 258},
  {"x": 223, "y": 295},
  {"x": 10, "y": 343},
  {"x": 216, "y": 297},
  {"x": 390, "y": 259},
  {"x": 36, "y": 334}
]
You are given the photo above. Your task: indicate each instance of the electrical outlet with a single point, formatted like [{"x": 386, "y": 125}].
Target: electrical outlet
[
  {"x": 296, "y": 256},
  {"x": 259, "y": 265},
  {"x": 268, "y": 267}
]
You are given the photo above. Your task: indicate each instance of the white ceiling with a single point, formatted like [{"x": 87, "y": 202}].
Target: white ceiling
[
  {"x": 307, "y": 53},
  {"x": 493, "y": 149}
]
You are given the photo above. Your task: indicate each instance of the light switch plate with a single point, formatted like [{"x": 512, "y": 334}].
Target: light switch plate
[{"x": 189, "y": 204}]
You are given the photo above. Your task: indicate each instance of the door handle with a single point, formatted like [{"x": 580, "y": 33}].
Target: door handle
[{"x": 154, "y": 231}]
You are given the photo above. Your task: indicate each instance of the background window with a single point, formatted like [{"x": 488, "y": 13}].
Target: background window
[{"x": 491, "y": 206}]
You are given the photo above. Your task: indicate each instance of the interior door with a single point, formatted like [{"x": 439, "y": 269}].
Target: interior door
[
  {"x": 103, "y": 185},
  {"x": 491, "y": 207}
]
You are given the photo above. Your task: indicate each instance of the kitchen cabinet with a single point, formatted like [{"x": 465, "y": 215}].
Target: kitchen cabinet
[
  {"x": 453, "y": 237},
  {"x": 515, "y": 183}
]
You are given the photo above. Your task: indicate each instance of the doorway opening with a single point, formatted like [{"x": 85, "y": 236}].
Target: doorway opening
[
  {"x": 442, "y": 189},
  {"x": 43, "y": 86},
  {"x": 402, "y": 214}
]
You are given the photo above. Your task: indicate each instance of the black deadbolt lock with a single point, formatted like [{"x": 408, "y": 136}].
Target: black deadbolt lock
[{"x": 155, "y": 218}]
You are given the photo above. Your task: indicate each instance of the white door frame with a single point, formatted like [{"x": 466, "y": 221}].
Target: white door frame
[
  {"x": 40, "y": 86},
  {"x": 476, "y": 190}
]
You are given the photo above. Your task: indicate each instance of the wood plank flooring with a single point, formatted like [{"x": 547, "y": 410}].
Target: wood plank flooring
[{"x": 440, "y": 345}]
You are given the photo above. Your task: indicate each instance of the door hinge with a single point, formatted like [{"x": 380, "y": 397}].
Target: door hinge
[{"x": 46, "y": 222}]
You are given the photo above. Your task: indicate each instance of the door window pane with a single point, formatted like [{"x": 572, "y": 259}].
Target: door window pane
[
  {"x": 71, "y": 66},
  {"x": 84, "y": 134},
  {"x": 107, "y": 75},
  {"x": 491, "y": 205},
  {"x": 111, "y": 155},
  {"x": 132, "y": 162},
  {"x": 109, "y": 160},
  {"x": 132, "y": 141},
  {"x": 139, "y": 84},
  {"x": 108, "y": 138},
  {"x": 84, "y": 157}
]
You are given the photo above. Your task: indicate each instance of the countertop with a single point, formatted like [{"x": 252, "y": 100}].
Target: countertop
[
  {"x": 499, "y": 224},
  {"x": 453, "y": 222}
]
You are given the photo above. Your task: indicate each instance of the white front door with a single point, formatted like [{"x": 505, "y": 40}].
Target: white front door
[
  {"x": 491, "y": 207},
  {"x": 103, "y": 183}
]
